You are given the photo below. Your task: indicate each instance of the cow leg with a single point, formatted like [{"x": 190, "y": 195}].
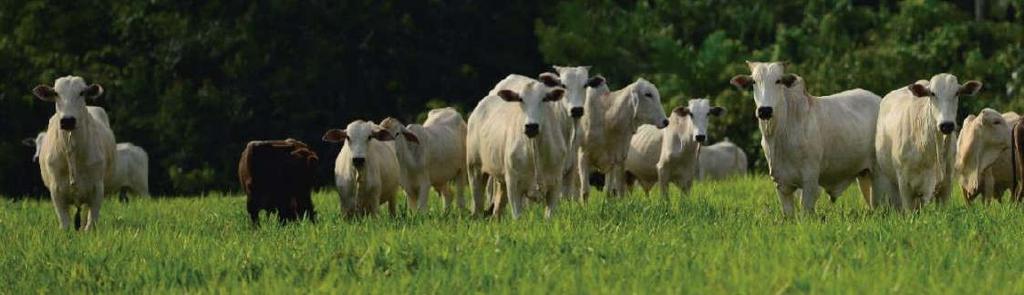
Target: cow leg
[
  {"x": 786, "y": 198},
  {"x": 94, "y": 207},
  {"x": 663, "y": 179},
  {"x": 514, "y": 194},
  {"x": 551, "y": 196},
  {"x": 809, "y": 195},
  {"x": 424, "y": 193},
  {"x": 61, "y": 207},
  {"x": 445, "y": 192},
  {"x": 584, "y": 175},
  {"x": 864, "y": 180},
  {"x": 477, "y": 184},
  {"x": 460, "y": 190},
  {"x": 990, "y": 187},
  {"x": 254, "y": 212}
]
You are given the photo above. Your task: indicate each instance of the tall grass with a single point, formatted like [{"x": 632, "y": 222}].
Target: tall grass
[{"x": 725, "y": 237}]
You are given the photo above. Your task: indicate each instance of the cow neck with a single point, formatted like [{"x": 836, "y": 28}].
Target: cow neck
[
  {"x": 620, "y": 111},
  {"x": 594, "y": 115},
  {"x": 789, "y": 124},
  {"x": 681, "y": 129},
  {"x": 409, "y": 154},
  {"x": 73, "y": 148}
]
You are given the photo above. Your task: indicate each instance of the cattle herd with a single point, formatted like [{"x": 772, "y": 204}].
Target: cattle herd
[{"x": 550, "y": 138}]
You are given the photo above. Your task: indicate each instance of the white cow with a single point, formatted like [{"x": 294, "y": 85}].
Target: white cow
[
  {"x": 77, "y": 157},
  {"x": 366, "y": 170},
  {"x": 608, "y": 127},
  {"x": 915, "y": 141},
  {"x": 812, "y": 142},
  {"x": 722, "y": 160},
  {"x": 575, "y": 80},
  {"x": 670, "y": 155},
  {"x": 131, "y": 172},
  {"x": 984, "y": 155},
  {"x": 516, "y": 139},
  {"x": 432, "y": 155}
]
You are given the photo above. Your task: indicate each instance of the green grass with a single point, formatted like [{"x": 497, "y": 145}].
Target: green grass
[{"x": 726, "y": 237}]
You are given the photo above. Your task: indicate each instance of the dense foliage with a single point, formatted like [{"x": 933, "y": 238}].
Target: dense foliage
[{"x": 192, "y": 81}]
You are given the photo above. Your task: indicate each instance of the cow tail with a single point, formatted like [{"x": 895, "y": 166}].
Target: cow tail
[{"x": 78, "y": 218}]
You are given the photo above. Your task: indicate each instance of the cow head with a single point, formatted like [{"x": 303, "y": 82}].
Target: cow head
[
  {"x": 943, "y": 92},
  {"x": 698, "y": 111},
  {"x": 69, "y": 94},
  {"x": 982, "y": 141},
  {"x": 532, "y": 99},
  {"x": 357, "y": 136},
  {"x": 36, "y": 143},
  {"x": 646, "y": 101},
  {"x": 575, "y": 81},
  {"x": 769, "y": 82},
  {"x": 398, "y": 130}
]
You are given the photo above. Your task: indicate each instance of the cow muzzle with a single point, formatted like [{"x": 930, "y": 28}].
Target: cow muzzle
[
  {"x": 359, "y": 163},
  {"x": 576, "y": 112},
  {"x": 68, "y": 123},
  {"x": 946, "y": 127},
  {"x": 664, "y": 123},
  {"x": 765, "y": 113},
  {"x": 700, "y": 138},
  {"x": 532, "y": 130}
]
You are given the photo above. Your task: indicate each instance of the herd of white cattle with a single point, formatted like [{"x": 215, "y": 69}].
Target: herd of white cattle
[{"x": 543, "y": 140}]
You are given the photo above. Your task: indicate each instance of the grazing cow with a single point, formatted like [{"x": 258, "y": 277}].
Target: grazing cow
[
  {"x": 812, "y": 142},
  {"x": 366, "y": 170},
  {"x": 984, "y": 156},
  {"x": 132, "y": 171},
  {"x": 916, "y": 142},
  {"x": 721, "y": 160},
  {"x": 277, "y": 176},
  {"x": 516, "y": 139},
  {"x": 77, "y": 157},
  {"x": 431, "y": 155},
  {"x": 670, "y": 155},
  {"x": 608, "y": 127}
]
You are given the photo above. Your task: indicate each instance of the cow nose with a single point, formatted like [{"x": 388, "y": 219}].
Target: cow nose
[
  {"x": 532, "y": 130},
  {"x": 664, "y": 123},
  {"x": 764, "y": 113},
  {"x": 576, "y": 112},
  {"x": 701, "y": 138},
  {"x": 68, "y": 123},
  {"x": 946, "y": 127},
  {"x": 358, "y": 162}
]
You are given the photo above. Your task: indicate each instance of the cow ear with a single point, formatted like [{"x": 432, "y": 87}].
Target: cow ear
[
  {"x": 788, "y": 80},
  {"x": 968, "y": 120},
  {"x": 595, "y": 81},
  {"x": 45, "y": 93},
  {"x": 969, "y": 89},
  {"x": 382, "y": 135},
  {"x": 919, "y": 90},
  {"x": 410, "y": 136},
  {"x": 509, "y": 95},
  {"x": 335, "y": 135},
  {"x": 550, "y": 79},
  {"x": 717, "y": 111},
  {"x": 742, "y": 81},
  {"x": 29, "y": 142},
  {"x": 555, "y": 95},
  {"x": 681, "y": 111},
  {"x": 93, "y": 91}
]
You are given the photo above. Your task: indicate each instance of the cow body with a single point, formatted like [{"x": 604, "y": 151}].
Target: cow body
[
  {"x": 812, "y": 142},
  {"x": 366, "y": 170},
  {"x": 435, "y": 158},
  {"x": 77, "y": 157},
  {"x": 983, "y": 160},
  {"x": 278, "y": 176},
  {"x": 516, "y": 140},
  {"x": 608, "y": 128},
  {"x": 722, "y": 160},
  {"x": 916, "y": 143}
]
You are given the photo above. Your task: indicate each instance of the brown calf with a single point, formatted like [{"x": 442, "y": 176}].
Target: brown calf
[{"x": 277, "y": 176}]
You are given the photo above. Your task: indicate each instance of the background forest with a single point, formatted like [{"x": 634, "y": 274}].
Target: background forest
[{"x": 193, "y": 81}]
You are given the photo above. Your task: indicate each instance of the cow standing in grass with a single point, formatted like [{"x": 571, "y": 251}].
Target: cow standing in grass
[
  {"x": 77, "y": 157},
  {"x": 432, "y": 155},
  {"x": 983, "y": 159},
  {"x": 278, "y": 176},
  {"x": 812, "y": 142}
]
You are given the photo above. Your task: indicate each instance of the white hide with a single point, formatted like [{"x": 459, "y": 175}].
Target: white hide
[
  {"x": 498, "y": 147},
  {"x": 361, "y": 190},
  {"x": 434, "y": 156},
  {"x": 915, "y": 157},
  {"x": 983, "y": 160},
  {"x": 812, "y": 142},
  {"x": 132, "y": 170},
  {"x": 722, "y": 160}
]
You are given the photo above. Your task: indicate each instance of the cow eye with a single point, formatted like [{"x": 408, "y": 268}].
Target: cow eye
[
  {"x": 779, "y": 81},
  {"x": 997, "y": 123},
  {"x": 649, "y": 95}
]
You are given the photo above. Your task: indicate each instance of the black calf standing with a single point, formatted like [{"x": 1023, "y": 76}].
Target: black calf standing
[{"x": 277, "y": 176}]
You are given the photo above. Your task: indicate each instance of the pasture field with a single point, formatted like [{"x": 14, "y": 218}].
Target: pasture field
[{"x": 726, "y": 237}]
